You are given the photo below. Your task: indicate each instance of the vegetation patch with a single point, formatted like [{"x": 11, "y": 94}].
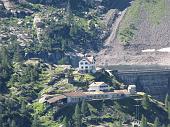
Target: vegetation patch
[
  {"x": 156, "y": 10},
  {"x": 128, "y": 26}
]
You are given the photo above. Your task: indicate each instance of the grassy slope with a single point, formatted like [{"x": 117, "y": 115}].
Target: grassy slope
[{"x": 155, "y": 8}]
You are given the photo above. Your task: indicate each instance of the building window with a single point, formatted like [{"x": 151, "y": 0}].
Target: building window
[
  {"x": 86, "y": 63},
  {"x": 86, "y": 67},
  {"x": 81, "y": 67},
  {"x": 81, "y": 63}
]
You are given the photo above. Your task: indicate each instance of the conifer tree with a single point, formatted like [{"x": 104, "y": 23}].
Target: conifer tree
[
  {"x": 167, "y": 101},
  {"x": 156, "y": 122},
  {"x": 5, "y": 68},
  {"x": 5, "y": 62},
  {"x": 84, "y": 108},
  {"x": 169, "y": 112},
  {"x": 35, "y": 122},
  {"x": 143, "y": 121},
  {"x": 18, "y": 55},
  {"x": 120, "y": 123},
  {"x": 145, "y": 102},
  {"x": 69, "y": 13},
  {"x": 23, "y": 107},
  {"x": 13, "y": 123},
  {"x": 9, "y": 121},
  {"x": 77, "y": 116},
  {"x": 163, "y": 125},
  {"x": 65, "y": 122},
  {"x": 1, "y": 120}
]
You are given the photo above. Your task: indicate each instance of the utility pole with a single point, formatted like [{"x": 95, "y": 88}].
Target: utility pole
[{"x": 136, "y": 122}]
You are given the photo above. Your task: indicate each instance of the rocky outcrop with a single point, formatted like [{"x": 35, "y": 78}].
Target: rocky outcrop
[
  {"x": 55, "y": 57},
  {"x": 38, "y": 25},
  {"x": 11, "y": 9},
  {"x": 9, "y": 5},
  {"x": 46, "y": 56}
]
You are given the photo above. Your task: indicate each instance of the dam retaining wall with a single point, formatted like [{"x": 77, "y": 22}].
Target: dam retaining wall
[{"x": 154, "y": 82}]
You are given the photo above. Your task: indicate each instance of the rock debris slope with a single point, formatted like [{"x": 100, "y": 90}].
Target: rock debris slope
[{"x": 145, "y": 47}]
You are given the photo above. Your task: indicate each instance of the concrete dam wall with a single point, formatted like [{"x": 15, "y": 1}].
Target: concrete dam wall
[{"x": 155, "y": 82}]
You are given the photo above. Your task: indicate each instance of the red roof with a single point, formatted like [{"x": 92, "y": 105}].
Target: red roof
[
  {"x": 89, "y": 59},
  {"x": 75, "y": 94},
  {"x": 121, "y": 91},
  {"x": 56, "y": 98}
]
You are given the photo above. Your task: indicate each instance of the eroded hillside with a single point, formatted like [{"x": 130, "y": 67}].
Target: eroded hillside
[{"x": 143, "y": 36}]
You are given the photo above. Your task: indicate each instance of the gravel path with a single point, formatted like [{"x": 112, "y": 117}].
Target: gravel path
[{"x": 115, "y": 26}]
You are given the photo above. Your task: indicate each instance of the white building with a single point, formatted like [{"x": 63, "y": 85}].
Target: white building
[
  {"x": 132, "y": 89},
  {"x": 99, "y": 86},
  {"x": 87, "y": 64}
]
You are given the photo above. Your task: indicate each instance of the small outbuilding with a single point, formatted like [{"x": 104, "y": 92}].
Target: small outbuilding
[
  {"x": 132, "y": 89},
  {"x": 98, "y": 86}
]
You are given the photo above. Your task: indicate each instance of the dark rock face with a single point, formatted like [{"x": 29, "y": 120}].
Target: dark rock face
[
  {"x": 23, "y": 13},
  {"x": 4, "y": 14},
  {"x": 46, "y": 56},
  {"x": 55, "y": 57},
  {"x": 58, "y": 3}
]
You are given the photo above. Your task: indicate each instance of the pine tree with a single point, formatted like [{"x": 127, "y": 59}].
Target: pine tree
[
  {"x": 23, "y": 107},
  {"x": 163, "y": 125},
  {"x": 143, "y": 121},
  {"x": 65, "y": 122},
  {"x": 169, "y": 112},
  {"x": 5, "y": 59},
  {"x": 145, "y": 102},
  {"x": 84, "y": 108},
  {"x": 18, "y": 55},
  {"x": 9, "y": 121},
  {"x": 13, "y": 123},
  {"x": 1, "y": 121},
  {"x": 5, "y": 67},
  {"x": 167, "y": 101},
  {"x": 156, "y": 122},
  {"x": 35, "y": 122},
  {"x": 69, "y": 13},
  {"x": 120, "y": 123},
  {"x": 167, "y": 105},
  {"x": 77, "y": 116}
]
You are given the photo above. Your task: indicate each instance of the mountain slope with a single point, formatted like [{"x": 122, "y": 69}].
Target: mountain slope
[{"x": 151, "y": 31}]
